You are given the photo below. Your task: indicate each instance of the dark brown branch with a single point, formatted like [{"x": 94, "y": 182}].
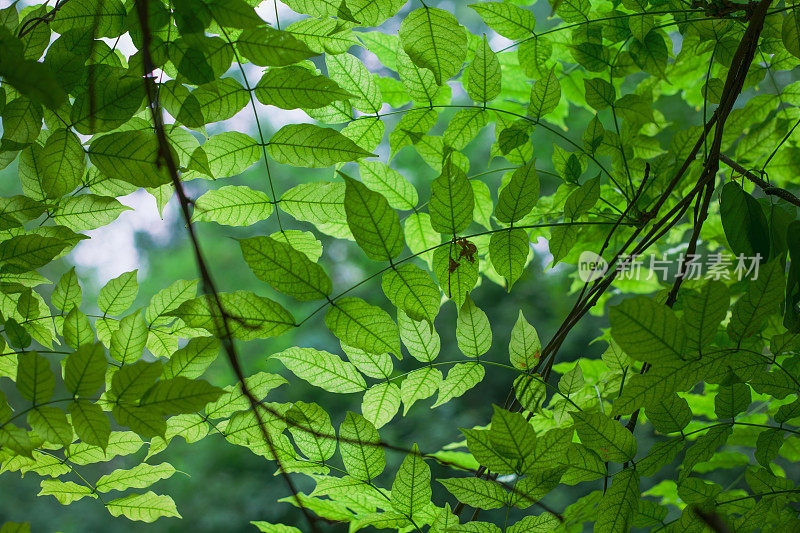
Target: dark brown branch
[
  {"x": 48, "y": 17},
  {"x": 207, "y": 282},
  {"x": 763, "y": 185}
]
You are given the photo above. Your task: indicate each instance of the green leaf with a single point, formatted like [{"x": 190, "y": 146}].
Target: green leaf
[
  {"x": 167, "y": 299},
  {"x": 307, "y": 145},
  {"x": 88, "y": 211},
  {"x": 380, "y": 403},
  {"x": 510, "y": 21},
  {"x": 226, "y": 154},
  {"x": 302, "y": 241},
  {"x": 744, "y": 222},
  {"x": 434, "y": 40},
  {"x": 139, "y": 477},
  {"x": 375, "y": 225},
  {"x": 703, "y": 312},
  {"x": 484, "y": 206},
  {"x": 484, "y": 77},
  {"x": 62, "y": 163},
  {"x": 600, "y": 94},
  {"x": 131, "y": 156},
  {"x": 417, "y": 81},
  {"x": 535, "y": 486},
  {"x": 130, "y": 338},
  {"x": 77, "y": 329},
  {"x": 511, "y": 434},
  {"x": 460, "y": 378},
  {"x": 266, "y": 527},
  {"x": 200, "y": 58},
  {"x": 65, "y": 492},
  {"x": 312, "y": 431},
  {"x": 234, "y": 14},
  {"x": 703, "y": 448},
  {"x": 605, "y": 436},
  {"x": 130, "y": 382},
  {"x": 322, "y": 369},
  {"x": 35, "y": 381},
  {"x": 790, "y": 32},
  {"x": 373, "y": 13},
  {"x": 620, "y": 503},
  {"x": 324, "y": 35},
  {"x": 147, "y": 507},
  {"x": 670, "y": 414},
  {"x": 452, "y": 201},
  {"x": 233, "y": 400},
  {"x": 117, "y": 96},
  {"x": 297, "y": 87},
  {"x": 420, "y": 339},
  {"x": 249, "y": 316},
  {"x": 545, "y": 95},
  {"x": 732, "y": 400},
  {"x": 762, "y": 297},
  {"x": 524, "y": 347},
  {"x": 34, "y": 80},
  {"x": 480, "y": 445},
  {"x": 146, "y": 422},
  {"x": 118, "y": 294},
  {"x": 421, "y": 238},
  {"x": 51, "y": 424},
  {"x": 378, "y": 366},
  {"x": 509, "y": 252},
  {"x": 767, "y": 446},
  {"x": 647, "y": 331},
  {"x": 16, "y": 439},
  {"x": 418, "y": 385},
  {"x": 651, "y": 55},
  {"x": 391, "y": 184},
  {"x": 104, "y": 18},
  {"x": 119, "y": 443},
  {"x": 412, "y": 290},
  {"x": 465, "y": 126},
  {"x": 22, "y": 122},
  {"x": 29, "y": 252},
  {"x": 476, "y": 492},
  {"x": 696, "y": 491},
  {"x": 572, "y": 381},
  {"x": 233, "y": 205},
  {"x": 90, "y": 423},
  {"x": 457, "y": 275},
  {"x": 320, "y": 203},
  {"x": 582, "y": 199},
  {"x": 67, "y": 292},
  {"x": 360, "y": 447},
  {"x": 85, "y": 370},
  {"x": 351, "y": 74},
  {"x": 287, "y": 270},
  {"x": 535, "y": 524},
  {"x": 268, "y": 47},
  {"x": 584, "y": 465},
  {"x": 473, "y": 333},
  {"x": 411, "y": 489},
  {"x": 180, "y": 395},
  {"x": 520, "y": 195},
  {"x": 367, "y": 132},
  {"x": 363, "y": 326},
  {"x": 787, "y": 412},
  {"x": 192, "y": 360}
]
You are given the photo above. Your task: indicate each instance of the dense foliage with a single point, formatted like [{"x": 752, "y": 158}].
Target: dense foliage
[{"x": 667, "y": 144}]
